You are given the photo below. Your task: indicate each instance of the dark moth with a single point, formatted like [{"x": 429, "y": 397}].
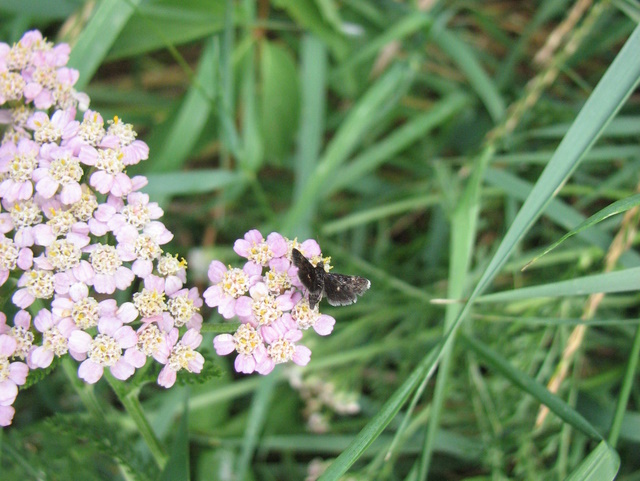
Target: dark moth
[{"x": 339, "y": 289}]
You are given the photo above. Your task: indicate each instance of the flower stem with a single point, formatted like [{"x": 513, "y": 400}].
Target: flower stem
[
  {"x": 84, "y": 391},
  {"x": 131, "y": 403}
]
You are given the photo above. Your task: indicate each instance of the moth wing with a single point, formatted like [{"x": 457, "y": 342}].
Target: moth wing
[
  {"x": 311, "y": 277},
  {"x": 306, "y": 271},
  {"x": 342, "y": 290}
]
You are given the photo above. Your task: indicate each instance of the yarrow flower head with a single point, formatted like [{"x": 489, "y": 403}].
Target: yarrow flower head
[
  {"x": 269, "y": 300},
  {"x": 75, "y": 230}
]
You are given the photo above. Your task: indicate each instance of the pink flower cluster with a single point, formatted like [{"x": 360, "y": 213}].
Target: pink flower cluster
[
  {"x": 74, "y": 229},
  {"x": 267, "y": 297}
]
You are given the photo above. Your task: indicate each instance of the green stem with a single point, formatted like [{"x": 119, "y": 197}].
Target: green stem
[
  {"x": 84, "y": 391},
  {"x": 131, "y": 403},
  {"x": 625, "y": 390}
]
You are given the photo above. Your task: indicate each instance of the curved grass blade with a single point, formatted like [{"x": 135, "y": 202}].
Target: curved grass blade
[
  {"x": 613, "y": 209},
  {"x": 620, "y": 79},
  {"x": 601, "y": 465}
]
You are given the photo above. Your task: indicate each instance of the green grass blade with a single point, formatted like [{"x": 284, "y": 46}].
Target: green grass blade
[
  {"x": 614, "y": 88},
  {"x": 377, "y": 213},
  {"x": 466, "y": 60},
  {"x": 374, "y": 428},
  {"x": 601, "y": 465},
  {"x": 255, "y": 423},
  {"x": 398, "y": 140},
  {"x": 360, "y": 119},
  {"x": 191, "y": 118},
  {"x": 91, "y": 47},
  {"x": 177, "y": 467},
  {"x": 531, "y": 386},
  {"x": 406, "y": 26},
  {"x": 609, "y": 282},
  {"x": 164, "y": 185},
  {"x": 613, "y": 209},
  {"x": 560, "y": 212},
  {"x": 313, "y": 88}
]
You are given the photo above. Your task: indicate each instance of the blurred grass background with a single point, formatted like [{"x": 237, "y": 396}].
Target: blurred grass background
[{"x": 408, "y": 138}]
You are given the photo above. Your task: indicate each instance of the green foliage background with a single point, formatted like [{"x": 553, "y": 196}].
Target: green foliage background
[{"x": 426, "y": 149}]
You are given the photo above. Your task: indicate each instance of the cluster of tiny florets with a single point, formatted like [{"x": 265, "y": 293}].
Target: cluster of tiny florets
[
  {"x": 74, "y": 229},
  {"x": 267, "y": 297}
]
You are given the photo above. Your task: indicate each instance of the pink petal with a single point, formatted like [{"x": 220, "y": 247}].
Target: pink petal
[
  {"x": 90, "y": 372},
  {"x": 324, "y": 325},
  {"x": 43, "y": 320},
  {"x": 104, "y": 284},
  {"x": 127, "y": 312},
  {"x": 254, "y": 236},
  {"x": 80, "y": 341},
  {"x": 22, "y": 319},
  {"x": 196, "y": 363},
  {"x": 244, "y": 306},
  {"x": 245, "y": 364},
  {"x": 223, "y": 344},
  {"x": 22, "y": 298},
  {"x": 8, "y": 393},
  {"x": 212, "y": 296},
  {"x": 310, "y": 248},
  {"x": 40, "y": 358},
  {"x": 277, "y": 244},
  {"x": 101, "y": 181},
  {"x": 47, "y": 187},
  {"x": 126, "y": 337},
  {"x": 122, "y": 369},
  {"x": 7, "y": 345},
  {"x": 25, "y": 259},
  {"x": 192, "y": 339},
  {"x": 122, "y": 185},
  {"x": 242, "y": 247},
  {"x": 167, "y": 377},
  {"x": 293, "y": 335},
  {"x": 124, "y": 277},
  {"x": 71, "y": 193},
  {"x": 172, "y": 285},
  {"x": 266, "y": 366},
  {"x": 6, "y": 415},
  {"x": 252, "y": 269},
  {"x": 135, "y": 357},
  {"x": 216, "y": 272},
  {"x": 270, "y": 334},
  {"x": 302, "y": 355},
  {"x": 227, "y": 307}
]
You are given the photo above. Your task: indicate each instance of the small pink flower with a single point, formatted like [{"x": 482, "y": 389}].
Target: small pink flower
[
  {"x": 281, "y": 337},
  {"x": 59, "y": 170},
  {"x": 183, "y": 356},
  {"x": 184, "y": 306},
  {"x": 259, "y": 251},
  {"x": 18, "y": 164},
  {"x": 105, "y": 350},
  {"x": 13, "y": 374},
  {"x": 109, "y": 176},
  {"x": 229, "y": 287},
  {"x": 55, "y": 335},
  {"x": 249, "y": 344},
  {"x": 108, "y": 272}
]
